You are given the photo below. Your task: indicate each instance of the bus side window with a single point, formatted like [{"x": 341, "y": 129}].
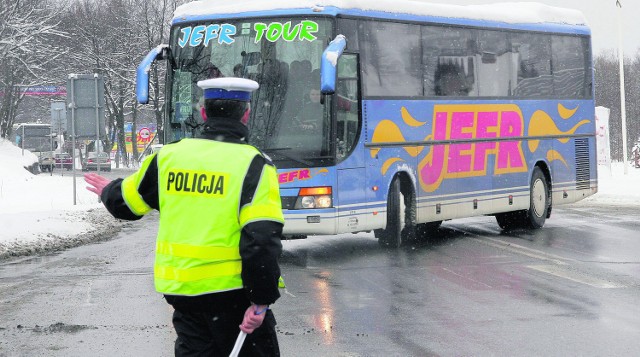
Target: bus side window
[{"x": 346, "y": 105}]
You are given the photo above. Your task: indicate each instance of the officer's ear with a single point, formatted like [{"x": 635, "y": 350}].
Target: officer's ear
[
  {"x": 203, "y": 113},
  {"x": 245, "y": 116}
]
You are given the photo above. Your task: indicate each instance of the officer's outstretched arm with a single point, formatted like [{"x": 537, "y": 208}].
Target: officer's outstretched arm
[
  {"x": 136, "y": 195},
  {"x": 262, "y": 221}
]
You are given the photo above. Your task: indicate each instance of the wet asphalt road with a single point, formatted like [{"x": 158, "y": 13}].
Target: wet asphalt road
[{"x": 570, "y": 289}]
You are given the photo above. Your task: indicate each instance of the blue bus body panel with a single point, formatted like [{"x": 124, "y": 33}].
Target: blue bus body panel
[
  {"x": 468, "y": 169},
  {"x": 333, "y": 11},
  {"x": 469, "y": 156}
]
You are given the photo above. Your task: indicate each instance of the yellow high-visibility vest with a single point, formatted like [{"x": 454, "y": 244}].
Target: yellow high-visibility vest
[{"x": 199, "y": 189}]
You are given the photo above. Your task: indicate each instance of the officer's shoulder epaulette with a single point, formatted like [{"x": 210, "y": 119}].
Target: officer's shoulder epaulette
[{"x": 266, "y": 157}]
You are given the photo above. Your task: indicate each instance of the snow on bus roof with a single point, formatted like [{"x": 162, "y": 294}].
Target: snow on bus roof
[{"x": 516, "y": 13}]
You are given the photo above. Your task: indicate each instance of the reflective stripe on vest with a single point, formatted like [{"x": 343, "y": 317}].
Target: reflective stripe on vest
[
  {"x": 266, "y": 203},
  {"x": 129, "y": 189},
  {"x": 249, "y": 214},
  {"x": 190, "y": 251},
  {"x": 210, "y": 271},
  {"x": 132, "y": 198}
]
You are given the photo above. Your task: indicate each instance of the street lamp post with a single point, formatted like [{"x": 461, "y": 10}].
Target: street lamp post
[
  {"x": 58, "y": 114},
  {"x": 623, "y": 109},
  {"x": 58, "y": 111}
]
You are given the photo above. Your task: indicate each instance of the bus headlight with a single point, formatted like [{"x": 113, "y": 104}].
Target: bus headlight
[
  {"x": 314, "y": 197},
  {"x": 307, "y": 202}
]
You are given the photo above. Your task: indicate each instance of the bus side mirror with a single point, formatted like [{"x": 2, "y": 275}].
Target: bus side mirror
[
  {"x": 329, "y": 64},
  {"x": 142, "y": 73}
]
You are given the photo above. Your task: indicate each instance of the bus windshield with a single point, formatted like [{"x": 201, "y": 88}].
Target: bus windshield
[{"x": 283, "y": 55}]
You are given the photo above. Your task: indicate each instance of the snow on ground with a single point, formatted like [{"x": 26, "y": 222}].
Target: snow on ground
[{"x": 37, "y": 212}]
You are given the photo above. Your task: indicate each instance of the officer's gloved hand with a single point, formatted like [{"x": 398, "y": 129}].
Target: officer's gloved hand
[{"x": 253, "y": 318}]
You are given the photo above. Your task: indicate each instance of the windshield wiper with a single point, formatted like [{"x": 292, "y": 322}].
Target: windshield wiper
[{"x": 279, "y": 151}]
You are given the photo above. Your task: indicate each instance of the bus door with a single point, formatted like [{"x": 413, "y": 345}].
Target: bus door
[{"x": 351, "y": 186}]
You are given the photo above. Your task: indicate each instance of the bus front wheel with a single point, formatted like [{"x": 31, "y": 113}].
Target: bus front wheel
[
  {"x": 391, "y": 236},
  {"x": 400, "y": 217}
]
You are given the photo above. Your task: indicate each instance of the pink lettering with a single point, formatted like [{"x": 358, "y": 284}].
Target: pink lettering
[
  {"x": 473, "y": 123},
  {"x": 509, "y": 152},
  {"x": 282, "y": 178},
  {"x": 486, "y": 122},
  {"x": 304, "y": 174},
  {"x": 433, "y": 168},
  {"x": 460, "y": 154},
  {"x": 292, "y": 175}
]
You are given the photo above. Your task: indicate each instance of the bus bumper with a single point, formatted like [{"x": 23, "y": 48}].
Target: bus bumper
[{"x": 310, "y": 222}]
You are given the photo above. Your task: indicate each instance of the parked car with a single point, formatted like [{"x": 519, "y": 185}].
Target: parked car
[
  {"x": 46, "y": 161},
  {"x": 63, "y": 161},
  {"x": 90, "y": 162}
]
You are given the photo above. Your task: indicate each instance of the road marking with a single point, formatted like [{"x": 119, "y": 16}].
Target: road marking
[
  {"x": 466, "y": 277},
  {"x": 563, "y": 272},
  {"x": 518, "y": 249},
  {"x": 88, "y": 300}
]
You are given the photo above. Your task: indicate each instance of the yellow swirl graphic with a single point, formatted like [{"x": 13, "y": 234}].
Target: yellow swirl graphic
[
  {"x": 388, "y": 132},
  {"x": 542, "y": 124},
  {"x": 566, "y": 113},
  {"x": 388, "y": 163},
  {"x": 408, "y": 119},
  {"x": 553, "y": 155}
]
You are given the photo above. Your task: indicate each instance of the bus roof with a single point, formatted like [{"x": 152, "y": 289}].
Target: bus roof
[{"x": 512, "y": 13}]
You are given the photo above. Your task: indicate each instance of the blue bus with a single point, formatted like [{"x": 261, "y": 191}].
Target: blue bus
[{"x": 399, "y": 115}]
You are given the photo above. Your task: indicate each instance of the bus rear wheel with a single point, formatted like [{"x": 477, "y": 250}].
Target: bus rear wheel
[
  {"x": 539, "y": 204},
  {"x": 540, "y": 200}
]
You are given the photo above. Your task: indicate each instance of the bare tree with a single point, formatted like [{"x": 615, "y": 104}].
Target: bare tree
[
  {"x": 110, "y": 38},
  {"x": 29, "y": 31},
  {"x": 608, "y": 95}
]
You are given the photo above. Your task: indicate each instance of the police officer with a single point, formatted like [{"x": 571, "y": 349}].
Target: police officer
[{"x": 220, "y": 226}]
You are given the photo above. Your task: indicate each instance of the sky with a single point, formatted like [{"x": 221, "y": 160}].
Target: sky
[
  {"x": 38, "y": 210},
  {"x": 602, "y": 16}
]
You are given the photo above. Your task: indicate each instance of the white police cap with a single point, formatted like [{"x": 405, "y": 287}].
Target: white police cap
[{"x": 228, "y": 88}]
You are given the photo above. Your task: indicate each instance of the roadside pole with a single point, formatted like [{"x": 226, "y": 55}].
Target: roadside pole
[
  {"x": 623, "y": 109},
  {"x": 53, "y": 157},
  {"x": 72, "y": 106},
  {"x": 95, "y": 77}
]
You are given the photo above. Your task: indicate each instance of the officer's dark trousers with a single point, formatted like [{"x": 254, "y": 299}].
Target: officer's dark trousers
[{"x": 213, "y": 333}]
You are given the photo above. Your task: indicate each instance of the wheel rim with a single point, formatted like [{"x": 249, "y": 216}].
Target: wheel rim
[{"x": 538, "y": 198}]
